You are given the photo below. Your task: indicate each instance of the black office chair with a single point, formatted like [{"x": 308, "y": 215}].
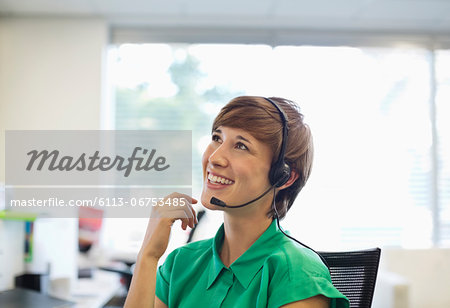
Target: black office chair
[{"x": 354, "y": 274}]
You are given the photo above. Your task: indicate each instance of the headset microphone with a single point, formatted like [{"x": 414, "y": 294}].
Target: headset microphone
[{"x": 219, "y": 202}]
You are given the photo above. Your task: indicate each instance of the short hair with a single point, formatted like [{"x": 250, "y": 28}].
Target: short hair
[{"x": 262, "y": 120}]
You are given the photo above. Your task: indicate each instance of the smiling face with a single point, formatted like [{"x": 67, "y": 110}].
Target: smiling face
[
  {"x": 256, "y": 119},
  {"x": 235, "y": 167}
]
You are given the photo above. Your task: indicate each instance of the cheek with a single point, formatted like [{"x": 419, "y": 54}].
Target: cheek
[{"x": 259, "y": 174}]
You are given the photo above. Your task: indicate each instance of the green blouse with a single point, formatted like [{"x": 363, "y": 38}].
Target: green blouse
[{"x": 273, "y": 272}]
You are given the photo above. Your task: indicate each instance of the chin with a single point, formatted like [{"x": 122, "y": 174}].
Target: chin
[{"x": 205, "y": 198}]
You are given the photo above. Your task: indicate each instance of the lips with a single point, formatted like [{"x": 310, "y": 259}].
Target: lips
[{"x": 218, "y": 179}]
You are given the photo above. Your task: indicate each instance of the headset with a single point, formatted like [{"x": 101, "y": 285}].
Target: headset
[{"x": 279, "y": 174}]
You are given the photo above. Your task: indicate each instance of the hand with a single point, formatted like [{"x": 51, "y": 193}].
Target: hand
[{"x": 176, "y": 206}]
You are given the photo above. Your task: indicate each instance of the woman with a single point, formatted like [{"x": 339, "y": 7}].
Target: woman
[{"x": 259, "y": 159}]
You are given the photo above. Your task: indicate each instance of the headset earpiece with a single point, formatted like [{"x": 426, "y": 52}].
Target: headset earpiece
[
  {"x": 279, "y": 175},
  {"x": 280, "y": 172}
]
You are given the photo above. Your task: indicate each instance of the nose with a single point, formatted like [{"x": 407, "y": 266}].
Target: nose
[{"x": 219, "y": 157}]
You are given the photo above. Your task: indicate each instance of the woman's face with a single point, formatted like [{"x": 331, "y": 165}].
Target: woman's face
[{"x": 235, "y": 167}]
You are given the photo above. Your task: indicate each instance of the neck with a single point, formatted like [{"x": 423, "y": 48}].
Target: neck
[{"x": 239, "y": 234}]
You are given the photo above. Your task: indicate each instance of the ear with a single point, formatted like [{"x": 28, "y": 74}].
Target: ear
[{"x": 292, "y": 179}]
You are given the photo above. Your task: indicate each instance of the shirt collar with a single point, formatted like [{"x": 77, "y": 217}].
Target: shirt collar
[{"x": 249, "y": 263}]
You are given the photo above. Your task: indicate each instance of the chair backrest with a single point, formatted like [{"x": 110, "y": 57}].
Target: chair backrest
[{"x": 354, "y": 274}]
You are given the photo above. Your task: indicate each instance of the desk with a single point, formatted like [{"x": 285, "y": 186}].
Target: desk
[
  {"x": 23, "y": 298},
  {"x": 95, "y": 292},
  {"x": 87, "y": 293}
]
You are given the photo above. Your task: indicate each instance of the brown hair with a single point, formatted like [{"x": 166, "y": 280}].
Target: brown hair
[{"x": 262, "y": 120}]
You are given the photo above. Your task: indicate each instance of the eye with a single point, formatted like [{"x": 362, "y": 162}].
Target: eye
[
  {"x": 215, "y": 138},
  {"x": 241, "y": 146}
]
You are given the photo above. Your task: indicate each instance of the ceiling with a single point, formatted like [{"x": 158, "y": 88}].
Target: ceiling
[{"x": 399, "y": 16}]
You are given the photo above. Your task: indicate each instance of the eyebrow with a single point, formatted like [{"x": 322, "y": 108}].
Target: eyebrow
[{"x": 237, "y": 137}]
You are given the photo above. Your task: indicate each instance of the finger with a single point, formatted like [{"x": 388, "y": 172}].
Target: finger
[
  {"x": 184, "y": 212},
  {"x": 187, "y": 209},
  {"x": 188, "y": 198},
  {"x": 195, "y": 215},
  {"x": 176, "y": 214},
  {"x": 177, "y": 209},
  {"x": 190, "y": 212},
  {"x": 192, "y": 220},
  {"x": 168, "y": 210}
]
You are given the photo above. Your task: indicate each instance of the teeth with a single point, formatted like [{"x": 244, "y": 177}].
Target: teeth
[{"x": 218, "y": 179}]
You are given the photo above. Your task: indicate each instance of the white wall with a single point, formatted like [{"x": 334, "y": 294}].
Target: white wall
[
  {"x": 425, "y": 271},
  {"x": 50, "y": 74},
  {"x": 50, "y": 78}
]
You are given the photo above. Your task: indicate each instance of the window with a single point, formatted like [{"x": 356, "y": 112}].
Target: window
[
  {"x": 442, "y": 211},
  {"x": 381, "y": 166}
]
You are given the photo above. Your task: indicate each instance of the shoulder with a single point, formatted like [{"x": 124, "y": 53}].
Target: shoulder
[
  {"x": 296, "y": 261},
  {"x": 297, "y": 273}
]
